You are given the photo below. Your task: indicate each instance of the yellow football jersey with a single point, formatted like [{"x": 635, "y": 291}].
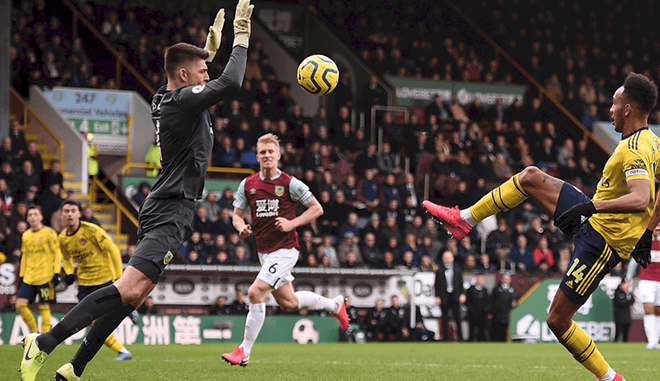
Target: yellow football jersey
[
  {"x": 41, "y": 257},
  {"x": 637, "y": 156},
  {"x": 98, "y": 258}
]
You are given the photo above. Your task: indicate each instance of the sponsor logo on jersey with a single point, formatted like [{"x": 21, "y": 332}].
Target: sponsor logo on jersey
[
  {"x": 253, "y": 191},
  {"x": 168, "y": 257},
  {"x": 279, "y": 190},
  {"x": 267, "y": 208},
  {"x": 41, "y": 239},
  {"x": 82, "y": 242},
  {"x": 198, "y": 89}
]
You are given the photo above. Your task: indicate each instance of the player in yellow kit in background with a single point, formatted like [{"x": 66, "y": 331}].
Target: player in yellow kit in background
[
  {"x": 41, "y": 262},
  {"x": 97, "y": 257}
]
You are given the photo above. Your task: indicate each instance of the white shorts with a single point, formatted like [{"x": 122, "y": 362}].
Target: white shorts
[
  {"x": 649, "y": 292},
  {"x": 276, "y": 267}
]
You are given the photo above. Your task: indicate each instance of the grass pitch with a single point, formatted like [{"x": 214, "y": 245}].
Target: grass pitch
[{"x": 343, "y": 361}]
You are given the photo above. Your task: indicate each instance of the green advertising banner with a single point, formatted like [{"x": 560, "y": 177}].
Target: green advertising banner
[
  {"x": 170, "y": 329},
  {"x": 130, "y": 185},
  {"x": 412, "y": 92},
  {"x": 529, "y": 318},
  {"x": 98, "y": 126}
]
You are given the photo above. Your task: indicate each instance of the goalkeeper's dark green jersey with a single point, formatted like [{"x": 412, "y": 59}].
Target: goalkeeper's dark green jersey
[{"x": 184, "y": 129}]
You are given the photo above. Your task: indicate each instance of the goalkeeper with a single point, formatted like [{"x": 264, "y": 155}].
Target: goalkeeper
[
  {"x": 41, "y": 263},
  {"x": 184, "y": 135}
]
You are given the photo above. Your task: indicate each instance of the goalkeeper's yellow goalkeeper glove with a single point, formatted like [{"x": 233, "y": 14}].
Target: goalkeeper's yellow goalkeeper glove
[
  {"x": 242, "y": 25},
  {"x": 215, "y": 35}
]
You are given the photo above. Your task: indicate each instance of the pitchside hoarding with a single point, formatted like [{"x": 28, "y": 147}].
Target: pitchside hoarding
[
  {"x": 178, "y": 329},
  {"x": 529, "y": 318},
  {"x": 412, "y": 92}
]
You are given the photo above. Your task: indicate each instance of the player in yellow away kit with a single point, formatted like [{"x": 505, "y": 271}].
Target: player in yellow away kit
[
  {"x": 606, "y": 229},
  {"x": 98, "y": 260},
  {"x": 41, "y": 262}
]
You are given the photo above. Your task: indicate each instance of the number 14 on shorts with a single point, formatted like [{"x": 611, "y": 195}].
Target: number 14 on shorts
[{"x": 578, "y": 273}]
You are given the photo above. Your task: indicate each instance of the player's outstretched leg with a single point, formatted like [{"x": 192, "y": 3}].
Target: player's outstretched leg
[
  {"x": 459, "y": 222},
  {"x": 576, "y": 340},
  {"x": 95, "y": 305},
  {"x": 33, "y": 358},
  {"x": 336, "y": 307},
  {"x": 100, "y": 331}
]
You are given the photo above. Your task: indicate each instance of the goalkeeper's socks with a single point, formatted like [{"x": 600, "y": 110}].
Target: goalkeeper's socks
[
  {"x": 253, "y": 323},
  {"x": 312, "y": 301},
  {"x": 95, "y": 305},
  {"x": 97, "y": 335}
]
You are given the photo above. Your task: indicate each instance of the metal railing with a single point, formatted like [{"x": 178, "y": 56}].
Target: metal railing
[
  {"x": 95, "y": 186},
  {"x": 28, "y": 115}
]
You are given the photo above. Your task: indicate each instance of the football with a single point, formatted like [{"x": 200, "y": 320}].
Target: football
[{"x": 318, "y": 75}]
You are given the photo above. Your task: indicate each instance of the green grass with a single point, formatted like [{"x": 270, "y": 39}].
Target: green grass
[{"x": 342, "y": 361}]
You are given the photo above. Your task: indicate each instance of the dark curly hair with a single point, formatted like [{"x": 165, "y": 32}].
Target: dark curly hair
[{"x": 640, "y": 90}]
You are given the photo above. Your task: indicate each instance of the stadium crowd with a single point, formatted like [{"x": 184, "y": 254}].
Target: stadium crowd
[{"x": 373, "y": 216}]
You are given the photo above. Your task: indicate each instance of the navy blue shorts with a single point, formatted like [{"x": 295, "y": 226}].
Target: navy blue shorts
[
  {"x": 44, "y": 293},
  {"x": 593, "y": 257},
  {"x": 83, "y": 291}
]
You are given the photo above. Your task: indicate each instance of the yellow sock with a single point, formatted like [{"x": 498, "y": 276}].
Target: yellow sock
[
  {"x": 44, "y": 311},
  {"x": 506, "y": 196},
  {"x": 27, "y": 316},
  {"x": 113, "y": 344},
  {"x": 584, "y": 350}
]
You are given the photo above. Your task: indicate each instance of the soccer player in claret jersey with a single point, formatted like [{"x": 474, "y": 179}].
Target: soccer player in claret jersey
[
  {"x": 184, "y": 135},
  {"x": 649, "y": 294},
  {"x": 273, "y": 196},
  {"x": 606, "y": 229}
]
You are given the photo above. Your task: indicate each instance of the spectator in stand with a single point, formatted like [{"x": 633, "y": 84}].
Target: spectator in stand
[
  {"x": 194, "y": 258},
  {"x": 242, "y": 259},
  {"x": 521, "y": 255},
  {"x": 351, "y": 192},
  {"x": 25, "y": 179},
  {"x": 449, "y": 294},
  {"x": 367, "y": 161},
  {"x": 395, "y": 322},
  {"x": 7, "y": 153},
  {"x": 457, "y": 112},
  {"x": 410, "y": 245},
  {"x": 238, "y": 306},
  {"x": 408, "y": 189},
  {"x": 225, "y": 154},
  {"x": 220, "y": 307},
  {"x": 499, "y": 240},
  {"x": 478, "y": 306},
  {"x": 328, "y": 184},
  {"x": 476, "y": 112},
  {"x": 10, "y": 306},
  {"x": 17, "y": 137},
  {"x": 52, "y": 175},
  {"x": 368, "y": 190},
  {"x": 141, "y": 195},
  {"x": 50, "y": 202},
  {"x": 373, "y": 227},
  {"x": 202, "y": 224},
  {"x": 371, "y": 255},
  {"x": 388, "y": 162},
  {"x": 543, "y": 252},
  {"x": 6, "y": 198},
  {"x": 351, "y": 262},
  {"x": 389, "y": 190},
  {"x": 465, "y": 249},
  {"x": 437, "y": 108},
  {"x": 212, "y": 207},
  {"x": 590, "y": 116},
  {"x": 501, "y": 168},
  {"x": 373, "y": 95},
  {"x": 330, "y": 252},
  {"x": 349, "y": 244},
  {"x": 227, "y": 199},
  {"x": 504, "y": 299},
  {"x": 426, "y": 264}
]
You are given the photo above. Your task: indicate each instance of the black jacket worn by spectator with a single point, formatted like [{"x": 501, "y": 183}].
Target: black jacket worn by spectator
[
  {"x": 375, "y": 322},
  {"x": 449, "y": 300},
  {"x": 184, "y": 130},
  {"x": 477, "y": 302},
  {"x": 622, "y": 303},
  {"x": 238, "y": 308},
  {"x": 395, "y": 321}
]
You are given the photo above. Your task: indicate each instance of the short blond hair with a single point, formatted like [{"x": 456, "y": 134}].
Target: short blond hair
[{"x": 269, "y": 138}]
